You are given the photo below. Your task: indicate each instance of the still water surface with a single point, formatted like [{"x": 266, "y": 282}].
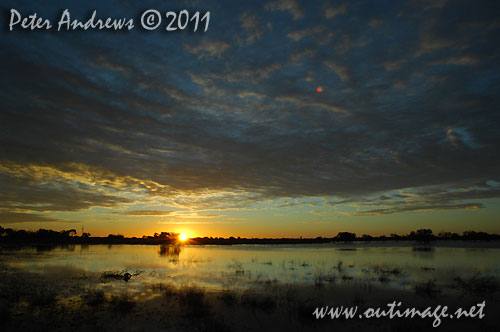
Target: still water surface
[{"x": 239, "y": 266}]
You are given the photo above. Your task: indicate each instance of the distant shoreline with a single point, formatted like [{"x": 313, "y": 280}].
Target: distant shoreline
[
  {"x": 49, "y": 237},
  {"x": 278, "y": 242}
]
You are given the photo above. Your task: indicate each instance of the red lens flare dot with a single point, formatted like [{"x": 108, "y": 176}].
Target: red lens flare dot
[{"x": 319, "y": 90}]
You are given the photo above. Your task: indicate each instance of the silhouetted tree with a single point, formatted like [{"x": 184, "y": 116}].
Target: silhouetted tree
[
  {"x": 115, "y": 236},
  {"x": 471, "y": 235},
  {"x": 396, "y": 236},
  {"x": 346, "y": 237},
  {"x": 422, "y": 235},
  {"x": 69, "y": 232},
  {"x": 448, "y": 236}
]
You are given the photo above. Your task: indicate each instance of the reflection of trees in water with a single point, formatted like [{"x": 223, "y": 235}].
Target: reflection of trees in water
[
  {"x": 424, "y": 252},
  {"x": 49, "y": 247},
  {"x": 68, "y": 246},
  {"x": 44, "y": 247},
  {"x": 172, "y": 252},
  {"x": 84, "y": 247}
]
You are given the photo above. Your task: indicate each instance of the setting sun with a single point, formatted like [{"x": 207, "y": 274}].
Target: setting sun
[{"x": 183, "y": 237}]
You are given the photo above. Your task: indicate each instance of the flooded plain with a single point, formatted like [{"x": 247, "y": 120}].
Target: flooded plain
[
  {"x": 219, "y": 267},
  {"x": 238, "y": 287}
]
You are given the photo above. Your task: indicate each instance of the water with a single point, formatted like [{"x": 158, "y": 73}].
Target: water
[{"x": 398, "y": 265}]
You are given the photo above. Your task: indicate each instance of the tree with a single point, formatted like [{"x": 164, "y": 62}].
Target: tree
[
  {"x": 422, "y": 235},
  {"x": 69, "y": 232},
  {"x": 346, "y": 237},
  {"x": 115, "y": 236}
]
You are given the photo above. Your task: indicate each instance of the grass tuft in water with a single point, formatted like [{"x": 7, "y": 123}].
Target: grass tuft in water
[
  {"x": 427, "y": 289},
  {"x": 477, "y": 285}
]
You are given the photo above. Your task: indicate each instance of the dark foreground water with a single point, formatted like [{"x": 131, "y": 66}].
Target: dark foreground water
[{"x": 243, "y": 287}]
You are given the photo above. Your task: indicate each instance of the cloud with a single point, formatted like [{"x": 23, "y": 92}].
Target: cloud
[
  {"x": 331, "y": 12},
  {"x": 45, "y": 189},
  {"x": 391, "y": 65},
  {"x": 92, "y": 126},
  {"x": 16, "y": 217},
  {"x": 144, "y": 213},
  {"x": 430, "y": 4},
  {"x": 340, "y": 70},
  {"x": 247, "y": 73},
  {"x": 319, "y": 213},
  {"x": 433, "y": 43},
  {"x": 196, "y": 222},
  {"x": 297, "y": 35},
  {"x": 291, "y": 6},
  {"x": 345, "y": 43},
  {"x": 207, "y": 48},
  {"x": 375, "y": 23},
  {"x": 309, "y": 104},
  {"x": 420, "y": 208},
  {"x": 102, "y": 61},
  {"x": 427, "y": 199},
  {"x": 254, "y": 28},
  {"x": 433, "y": 37},
  {"x": 463, "y": 60},
  {"x": 302, "y": 54}
]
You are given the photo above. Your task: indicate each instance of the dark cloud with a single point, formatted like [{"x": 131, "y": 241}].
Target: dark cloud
[
  {"x": 426, "y": 199},
  {"x": 420, "y": 208},
  {"x": 29, "y": 189},
  {"x": 231, "y": 117},
  {"x": 14, "y": 218}
]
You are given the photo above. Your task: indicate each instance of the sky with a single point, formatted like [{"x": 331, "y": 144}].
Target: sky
[{"x": 225, "y": 133}]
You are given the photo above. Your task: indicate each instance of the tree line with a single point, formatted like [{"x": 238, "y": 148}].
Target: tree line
[{"x": 9, "y": 235}]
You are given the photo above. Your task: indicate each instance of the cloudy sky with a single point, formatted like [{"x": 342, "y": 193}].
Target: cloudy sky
[{"x": 224, "y": 133}]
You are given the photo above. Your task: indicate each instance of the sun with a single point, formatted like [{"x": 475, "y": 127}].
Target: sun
[{"x": 182, "y": 237}]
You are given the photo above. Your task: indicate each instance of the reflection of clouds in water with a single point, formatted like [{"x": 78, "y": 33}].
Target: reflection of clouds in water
[
  {"x": 243, "y": 266},
  {"x": 54, "y": 271}
]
